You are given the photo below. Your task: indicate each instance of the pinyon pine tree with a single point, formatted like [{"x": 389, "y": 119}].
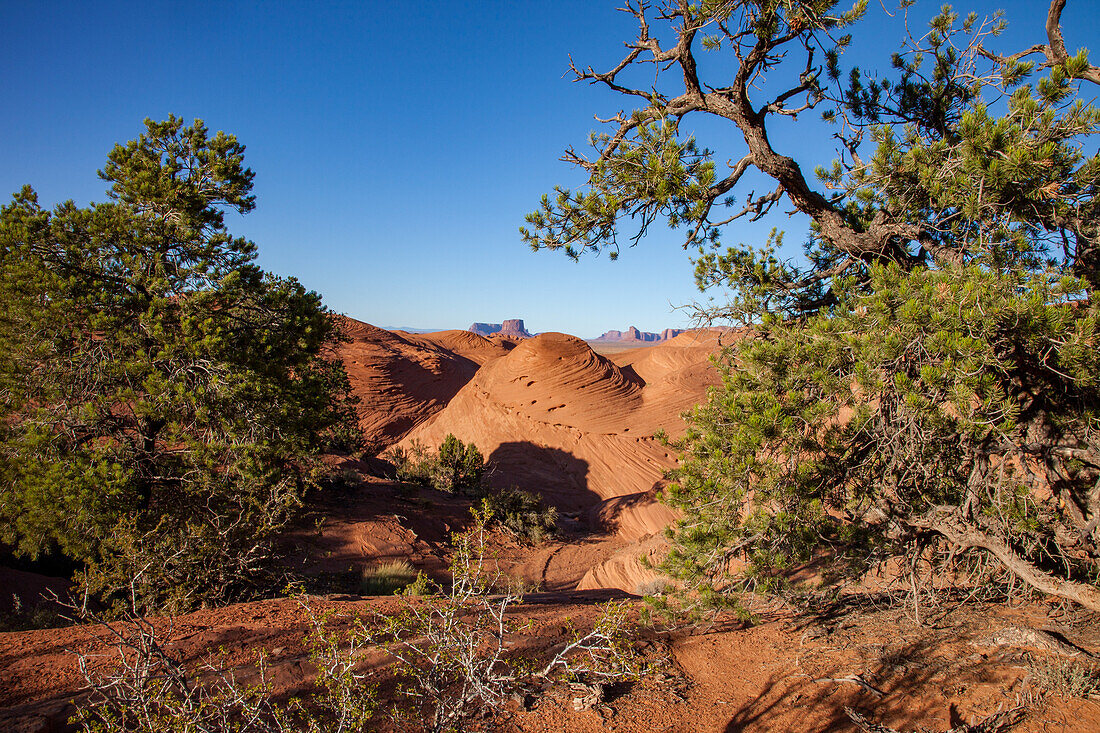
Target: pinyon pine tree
[
  {"x": 163, "y": 399},
  {"x": 928, "y": 375}
]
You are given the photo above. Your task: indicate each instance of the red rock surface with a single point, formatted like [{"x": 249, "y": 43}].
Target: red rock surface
[
  {"x": 555, "y": 418},
  {"x": 402, "y": 379},
  {"x": 513, "y": 329}
]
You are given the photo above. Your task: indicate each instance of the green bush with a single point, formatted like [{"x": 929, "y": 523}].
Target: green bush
[
  {"x": 457, "y": 467},
  {"x": 522, "y": 513}
]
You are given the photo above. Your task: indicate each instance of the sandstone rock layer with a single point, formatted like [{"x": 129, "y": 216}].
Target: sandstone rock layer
[{"x": 550, "y": 415}]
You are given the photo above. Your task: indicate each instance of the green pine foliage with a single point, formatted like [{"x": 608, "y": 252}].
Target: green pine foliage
[
  {"x": 456, "y": 467},
  {"x": 460, "y": 466},
  {"x": 522, "y": 513},
  {"x": 921, "y": 401},
  {"x": 925, "y": 376},
  {"x": 163, "y": 399}
]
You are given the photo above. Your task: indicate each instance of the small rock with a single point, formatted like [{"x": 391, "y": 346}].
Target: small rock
[
  {"x": 1014, "y": 636},
  {"x": 523, "y": 701},
  {"x": 592, "y": 696}
]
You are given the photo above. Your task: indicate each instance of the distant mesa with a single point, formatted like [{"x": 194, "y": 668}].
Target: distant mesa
[
  {"x": 485, "y": 329},
  {"x": 513, "y": 328},
  {"x": 633, "y": 335},
  {"x": 671, "y": 333}
]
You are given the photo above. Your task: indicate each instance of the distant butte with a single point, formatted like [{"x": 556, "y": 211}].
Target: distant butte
[
  {"x": 484, "y": 329},
  {"x": 512, "y": 328},
  {"x": 633, "y": 335}
]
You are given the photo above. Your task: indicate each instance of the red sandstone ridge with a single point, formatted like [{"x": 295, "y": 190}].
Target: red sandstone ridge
[
  {"x": 402, "y": 379},
  {"x": 560, "y": 419},
  {"x": 577, "y": 427},
  {"x": 632, "y": 334},
  {"x": 550, "y": 414}
]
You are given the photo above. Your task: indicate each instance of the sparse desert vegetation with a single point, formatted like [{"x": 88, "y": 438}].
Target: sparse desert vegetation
[
  {"x": 864, "y": 494},
  {"x": 386, "y": 578},
  {"x": 455, "y": 466},
  {"x": 522, "y": 513},
  {"x": 452, "y": 651}
]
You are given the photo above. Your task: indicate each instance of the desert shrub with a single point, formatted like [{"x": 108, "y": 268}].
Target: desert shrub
[
  {"x": 410, "y": 465},
  {"x": 1001, "y": 720},
  {"x": 22, "y": 616},
  {"x": 453, "y": 651},
  {"x": 653, "y": 587},
  {"x": 1065, "y": 678},
  {"x": 521, "y": 513},
  {"x": 456, "y": 467},
  {"x": 386, "y": 578},
  {"x": 459, "y": 466},
  {"x": 346, "y": 478},
  {"x": 149, "y": 689}
]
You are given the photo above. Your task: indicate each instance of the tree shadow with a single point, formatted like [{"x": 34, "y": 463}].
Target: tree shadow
[
  {"x": 901, "y": 690},
  {"x": 606, "y": 515},
  {"x": 560, "y": 478}
]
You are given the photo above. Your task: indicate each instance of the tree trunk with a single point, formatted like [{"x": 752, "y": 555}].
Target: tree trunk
[{"x": 948, "y": 522}]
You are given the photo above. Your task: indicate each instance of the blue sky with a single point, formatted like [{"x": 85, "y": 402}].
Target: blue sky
[{"x": 397, "y": 146}]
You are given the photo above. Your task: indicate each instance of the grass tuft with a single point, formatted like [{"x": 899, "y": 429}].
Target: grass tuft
[{"x": 386, "y": 578}]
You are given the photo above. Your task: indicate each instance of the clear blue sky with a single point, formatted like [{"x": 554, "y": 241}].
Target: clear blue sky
[{"x": 397, "y": 146}]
